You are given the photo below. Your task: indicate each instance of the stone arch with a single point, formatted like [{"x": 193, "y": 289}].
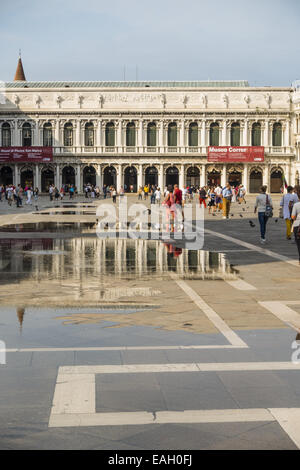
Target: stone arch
[
  {"x": 151, "y": 175},
  {"x": 255, "y": 179},
  {"x": 276, "y": 179},
  {"x": 109, "y": 176},
  {"x": 235, "y": 174},
  {"x": 130, "y": 178},
  {"x": 89, "y": 175},
  {"x": 172, "y": 175},
  {"x": 47, "y": 177},
  {"x": 68, "y": 175},
  {"x": 193, "y": 176},
  {"x": 214, "y": 173},
  {"x": 27, "y": 176},
  {"x": 6, "y": 174}
]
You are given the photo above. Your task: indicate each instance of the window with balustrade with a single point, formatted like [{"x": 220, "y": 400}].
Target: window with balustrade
[
  {"x": 193, "y": 134},
  {"x": 47, "y": 135},
  {"x": 68, "y": 135},
  {"x": 110, "y": 139},
  {"x": 26, "y": 135},
  {"x": 6, "y": 135},
  {"x": 214, "y": 134},
  {"x": 235, "y": 134},
  {"x": 256, "y": 134},
  {"x": 89, "y": 135},
  {"x": 151, "y": 134},
  {"x": 172, "y": 134},
  {"x": 277, "y": 135},
  {"x": 130, "y": 135}
]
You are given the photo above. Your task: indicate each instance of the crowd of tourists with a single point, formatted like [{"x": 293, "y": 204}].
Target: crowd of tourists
[{"x": 16, "y": 194}]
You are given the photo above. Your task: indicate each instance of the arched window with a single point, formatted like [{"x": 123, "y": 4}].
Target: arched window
[
  {"x": 214, "y": 131},
  {"x": 130, "y": 135},
  {"x": 110, "y": 134},
  {"x": 47, "y": 135},
  {"x": 151, "y": 134},
  {"x": 193, "y": 134},
  {"x": 172, "y": 134},
  {"x": 256, "y": 134},
  {"x": 26, "y": 135},
  {"x": 6, "y": 135},
  {"x": 235, "y": 134},
  {"x": 277, "y": 135},
  {"x": 68, "y": 135},
  {"x": 89, "y": 134}
]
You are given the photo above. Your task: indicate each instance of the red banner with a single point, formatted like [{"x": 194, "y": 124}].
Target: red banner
[
  {"x": 235, "y": 154},
  {"x": 26, "y": 154}
]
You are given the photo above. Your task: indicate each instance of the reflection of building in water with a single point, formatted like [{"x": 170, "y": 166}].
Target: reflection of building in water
[{"x": 85, "y": 257}]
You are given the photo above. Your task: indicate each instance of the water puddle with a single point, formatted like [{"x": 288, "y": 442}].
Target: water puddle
[{"x": 51, "y": 284}]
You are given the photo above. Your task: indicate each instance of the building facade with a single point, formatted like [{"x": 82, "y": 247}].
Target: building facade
[{"x": 135, "y": 133}]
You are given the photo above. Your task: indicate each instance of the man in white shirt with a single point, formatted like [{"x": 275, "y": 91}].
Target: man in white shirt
[{"x": 287, "y": 202}]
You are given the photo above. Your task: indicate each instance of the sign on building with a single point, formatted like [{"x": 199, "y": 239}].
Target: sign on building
[
  {"x": 26, "y": 154},
  {"x": 235, "y": 154}
]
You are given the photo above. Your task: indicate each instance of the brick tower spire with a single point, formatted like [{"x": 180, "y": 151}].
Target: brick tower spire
[{"x": 20, "y": 75}]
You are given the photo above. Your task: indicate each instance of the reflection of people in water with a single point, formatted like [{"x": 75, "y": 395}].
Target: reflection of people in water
[
  {"x": 173, "y": 250},
  {"x": 20, "y": 315}
]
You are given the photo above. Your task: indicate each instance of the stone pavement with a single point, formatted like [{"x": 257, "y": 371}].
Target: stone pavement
[{"x": 126, "y": 344}]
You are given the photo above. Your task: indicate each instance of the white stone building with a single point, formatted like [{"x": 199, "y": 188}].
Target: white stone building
[{"x": 125, "y": 133}]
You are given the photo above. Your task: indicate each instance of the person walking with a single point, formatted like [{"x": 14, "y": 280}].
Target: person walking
[
  {"x": 287, "y": 202},
  {"x": 51, "y": 191},
  {"x": 202, "y": 197},
  {"x": 140, "y": 193},
  {"x": 157, "y": 196},
  {"x": 35, "y": 194},
  {"x": 169, "y": 204},
  {"x": 263, "y": 204},
  {"x": 114, "y": 195},
  {"x": 227, "y": 196},
  {"x": 29, "y": 194},
  {"x": 296, "y": 219}
]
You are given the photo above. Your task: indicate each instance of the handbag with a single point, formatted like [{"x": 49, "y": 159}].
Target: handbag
[{"x": 269, "y": 209}]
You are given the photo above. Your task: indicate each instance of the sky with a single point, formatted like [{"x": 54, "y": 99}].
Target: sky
[{"x": 254, "y": 40}]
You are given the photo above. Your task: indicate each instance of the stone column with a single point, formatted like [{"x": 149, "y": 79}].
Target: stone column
[
  {"x": 78, "y": 178},
  {"x": 160, "y": 135},
  {"x": 140, "y": 176},
  {"x": 57, "y": 141},
  {"x": 17, "y": 174},
  {"x": 224, "y": 134},
  {"x": 287, "y": 134},
  {"x": 245, "y": 133},
  {"x": 119, "y": 139},
  {"x": 77, "y": 134},
  {"x": 203, "y": 175},
  {"x": 266, "y": 176},
  {"x": 161, "y": 178},
  {"x": 99, "y": 176},
  {"x": 203, "y": 134},
  {"x": 181, "y": 135},
  {"x": 57, "y": 177},
  {"x": 140, "y": 135},
  {"x": 35, "y": 133},
  {"x": 224, "y": 176},
  {"x": 181, "y": 176},
  {"x": 119, "y": 177},
  {"x": 96, "y": 133},
  {"x": 37, "y": 177},
  {"x": 266, "y": 134},
  {"x": 245, "y": 176}
]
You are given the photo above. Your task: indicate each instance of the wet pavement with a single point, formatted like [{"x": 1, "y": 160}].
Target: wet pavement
[{"x": 69, "y": 298}]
